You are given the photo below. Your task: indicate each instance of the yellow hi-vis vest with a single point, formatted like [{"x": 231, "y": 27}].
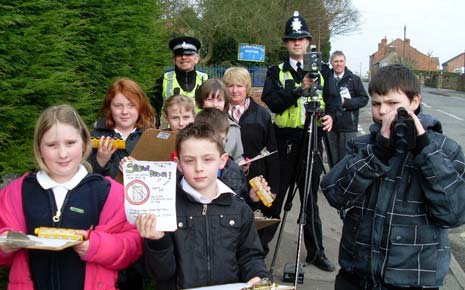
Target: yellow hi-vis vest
[
  {"x": 170, "y": 83},
  {"x": 294, "y": 116}
]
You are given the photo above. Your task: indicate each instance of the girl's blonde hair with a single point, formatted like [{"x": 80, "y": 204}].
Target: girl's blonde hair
[
  {"x": 64, "y": 114},
  {"x": 238, "y": 75},
  {"x": 180, "y": 100}
]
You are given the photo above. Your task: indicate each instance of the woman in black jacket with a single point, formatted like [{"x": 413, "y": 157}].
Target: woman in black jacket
[{"x": 257, "y": 133}]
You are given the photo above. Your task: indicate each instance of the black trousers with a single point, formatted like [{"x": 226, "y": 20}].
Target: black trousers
[
  {"x": 292, "y": 150},
  {"x": 337, "y": 142},
  {"x": 349, "y": 281}
]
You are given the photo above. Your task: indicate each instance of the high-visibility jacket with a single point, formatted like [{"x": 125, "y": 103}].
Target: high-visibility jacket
[
  {"x": 294, "y": 116},
  {"x": 170, "y": 83}
]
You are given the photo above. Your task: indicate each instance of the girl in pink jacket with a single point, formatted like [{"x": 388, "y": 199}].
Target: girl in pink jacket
[{"x": 64, "y": 194}]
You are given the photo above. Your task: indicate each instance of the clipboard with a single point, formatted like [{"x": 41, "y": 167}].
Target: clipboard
[
  {"x": 19, "y": 240},
  {"x": 261, "y": 223},
  {"x": 153, "y": 145}
]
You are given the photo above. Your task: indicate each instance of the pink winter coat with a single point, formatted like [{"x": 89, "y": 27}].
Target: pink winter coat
[{"x": 114, "y": 244}]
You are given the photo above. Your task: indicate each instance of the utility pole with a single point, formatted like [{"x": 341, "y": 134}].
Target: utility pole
[
  {"x": 319, "y": 37},
  {"x": 403, "y": 51}
]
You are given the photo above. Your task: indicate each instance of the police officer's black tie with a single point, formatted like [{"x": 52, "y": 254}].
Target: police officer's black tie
[{"x": 300, "y": 71}]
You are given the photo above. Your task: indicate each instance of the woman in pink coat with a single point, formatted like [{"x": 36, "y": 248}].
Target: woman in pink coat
[{"x": 64, "y": 194}]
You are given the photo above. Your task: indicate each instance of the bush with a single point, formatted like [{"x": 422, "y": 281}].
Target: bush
[{"x": 54, "y": 52}]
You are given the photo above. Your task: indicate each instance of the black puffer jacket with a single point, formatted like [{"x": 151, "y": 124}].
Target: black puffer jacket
[
  {"x": 214, "y": 244},
  {"x": 399, "y": 208},
  {"x": 347, "y": 119},
  {"x": 112, "y": 166}
]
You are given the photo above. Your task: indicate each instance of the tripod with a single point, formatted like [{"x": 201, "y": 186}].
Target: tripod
[{"x": 312, "y": 154}]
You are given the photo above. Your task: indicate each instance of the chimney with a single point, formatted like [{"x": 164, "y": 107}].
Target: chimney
[
  {"x": 407, "y": 41},
  {"x": 382, "y": 45}
]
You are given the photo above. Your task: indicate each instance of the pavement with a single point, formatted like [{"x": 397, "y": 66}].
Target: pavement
[{"x": 314, "y": 278}]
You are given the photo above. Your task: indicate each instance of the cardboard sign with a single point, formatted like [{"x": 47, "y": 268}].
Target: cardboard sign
[{"x": 153, "y": 145}]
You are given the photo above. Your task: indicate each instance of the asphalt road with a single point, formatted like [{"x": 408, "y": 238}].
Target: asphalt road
[{"x": 449, "y": 107}]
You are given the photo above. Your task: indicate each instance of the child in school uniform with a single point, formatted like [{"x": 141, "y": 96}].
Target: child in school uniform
[
  {"x": 63, "y": 193},
  {"x": 178, "y": 111},
  {"x": 216, "y": 241},
  {"x": 126, "y": 114},
  {"x": 232, "y": 174},
  {"x": 212, "y": 94}
]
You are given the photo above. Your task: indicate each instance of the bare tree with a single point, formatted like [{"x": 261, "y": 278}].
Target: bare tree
[
  {"x": 257, "y": 22},
  {"x": 343, "y": 18}
]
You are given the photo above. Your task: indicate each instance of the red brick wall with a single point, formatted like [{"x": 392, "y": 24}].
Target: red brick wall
[
  {"x": 455, "y": 63},
  {"x": 421, "y": 61}
]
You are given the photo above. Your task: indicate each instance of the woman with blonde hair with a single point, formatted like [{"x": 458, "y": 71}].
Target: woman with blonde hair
[{"x": 256, "y": 133}]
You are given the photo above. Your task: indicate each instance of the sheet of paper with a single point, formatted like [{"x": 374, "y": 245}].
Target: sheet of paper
[
  {"x": 263, "y": 153},
  {"x": 233, "y": 286},
  {"x": 150, "y": 188},
  {"x": 239, "y": 286},
  {"x": 344, "y": 92}
]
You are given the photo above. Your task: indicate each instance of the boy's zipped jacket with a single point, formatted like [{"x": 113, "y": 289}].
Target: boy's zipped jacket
[
  {"x": 213, "y": 244},
  {"x": 399, "y": 207}
]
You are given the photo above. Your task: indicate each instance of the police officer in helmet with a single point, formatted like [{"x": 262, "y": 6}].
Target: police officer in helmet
[
  {"x": 184, "y": 79},
  {"x": 287, "y": 103}
]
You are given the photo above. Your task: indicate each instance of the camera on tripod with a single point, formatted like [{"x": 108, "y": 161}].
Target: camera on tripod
[
  {"x": 403, "y": 132},
  {"x": 312, "y": 62},
  {"x": 312, "y": 65}
]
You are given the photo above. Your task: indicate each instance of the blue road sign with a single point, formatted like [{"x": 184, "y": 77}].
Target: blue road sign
[{"x": 251, "y": 52}]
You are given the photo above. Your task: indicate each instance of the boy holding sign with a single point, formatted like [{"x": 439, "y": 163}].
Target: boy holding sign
[{"x": 216, "y": 241}]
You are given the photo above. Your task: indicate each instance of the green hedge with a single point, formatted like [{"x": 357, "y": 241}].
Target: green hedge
[{"x": 54, "y": 52}]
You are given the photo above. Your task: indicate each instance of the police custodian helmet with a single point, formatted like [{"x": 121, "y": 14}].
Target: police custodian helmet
[{"x": 296, "y": 28}]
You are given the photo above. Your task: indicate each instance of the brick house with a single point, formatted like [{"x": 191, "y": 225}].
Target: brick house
[
  {"x": 398, "y": 50},
  {"x": 455, "y": 64}
]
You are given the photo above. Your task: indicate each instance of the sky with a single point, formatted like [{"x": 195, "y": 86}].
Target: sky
[{"x": 433, "y": 26}]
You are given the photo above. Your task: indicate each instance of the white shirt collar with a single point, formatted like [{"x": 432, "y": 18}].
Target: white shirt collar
[
  {"x": 197, "y": 196},
  {"x": 293, "y": 63},
  {"x": 46, "y": 182},
  {"x": 124, "y": 136},
  {"x": 340, "y": 76}
]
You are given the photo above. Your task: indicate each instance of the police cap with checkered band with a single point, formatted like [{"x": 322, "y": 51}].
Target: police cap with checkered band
[{"x": 184, "y": 45}]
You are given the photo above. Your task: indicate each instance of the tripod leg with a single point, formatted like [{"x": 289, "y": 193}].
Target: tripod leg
[
  {"x": 328, "y": 152},
  {"x": 278, "y": 242},
  {"x": 287, "y": 208}
]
